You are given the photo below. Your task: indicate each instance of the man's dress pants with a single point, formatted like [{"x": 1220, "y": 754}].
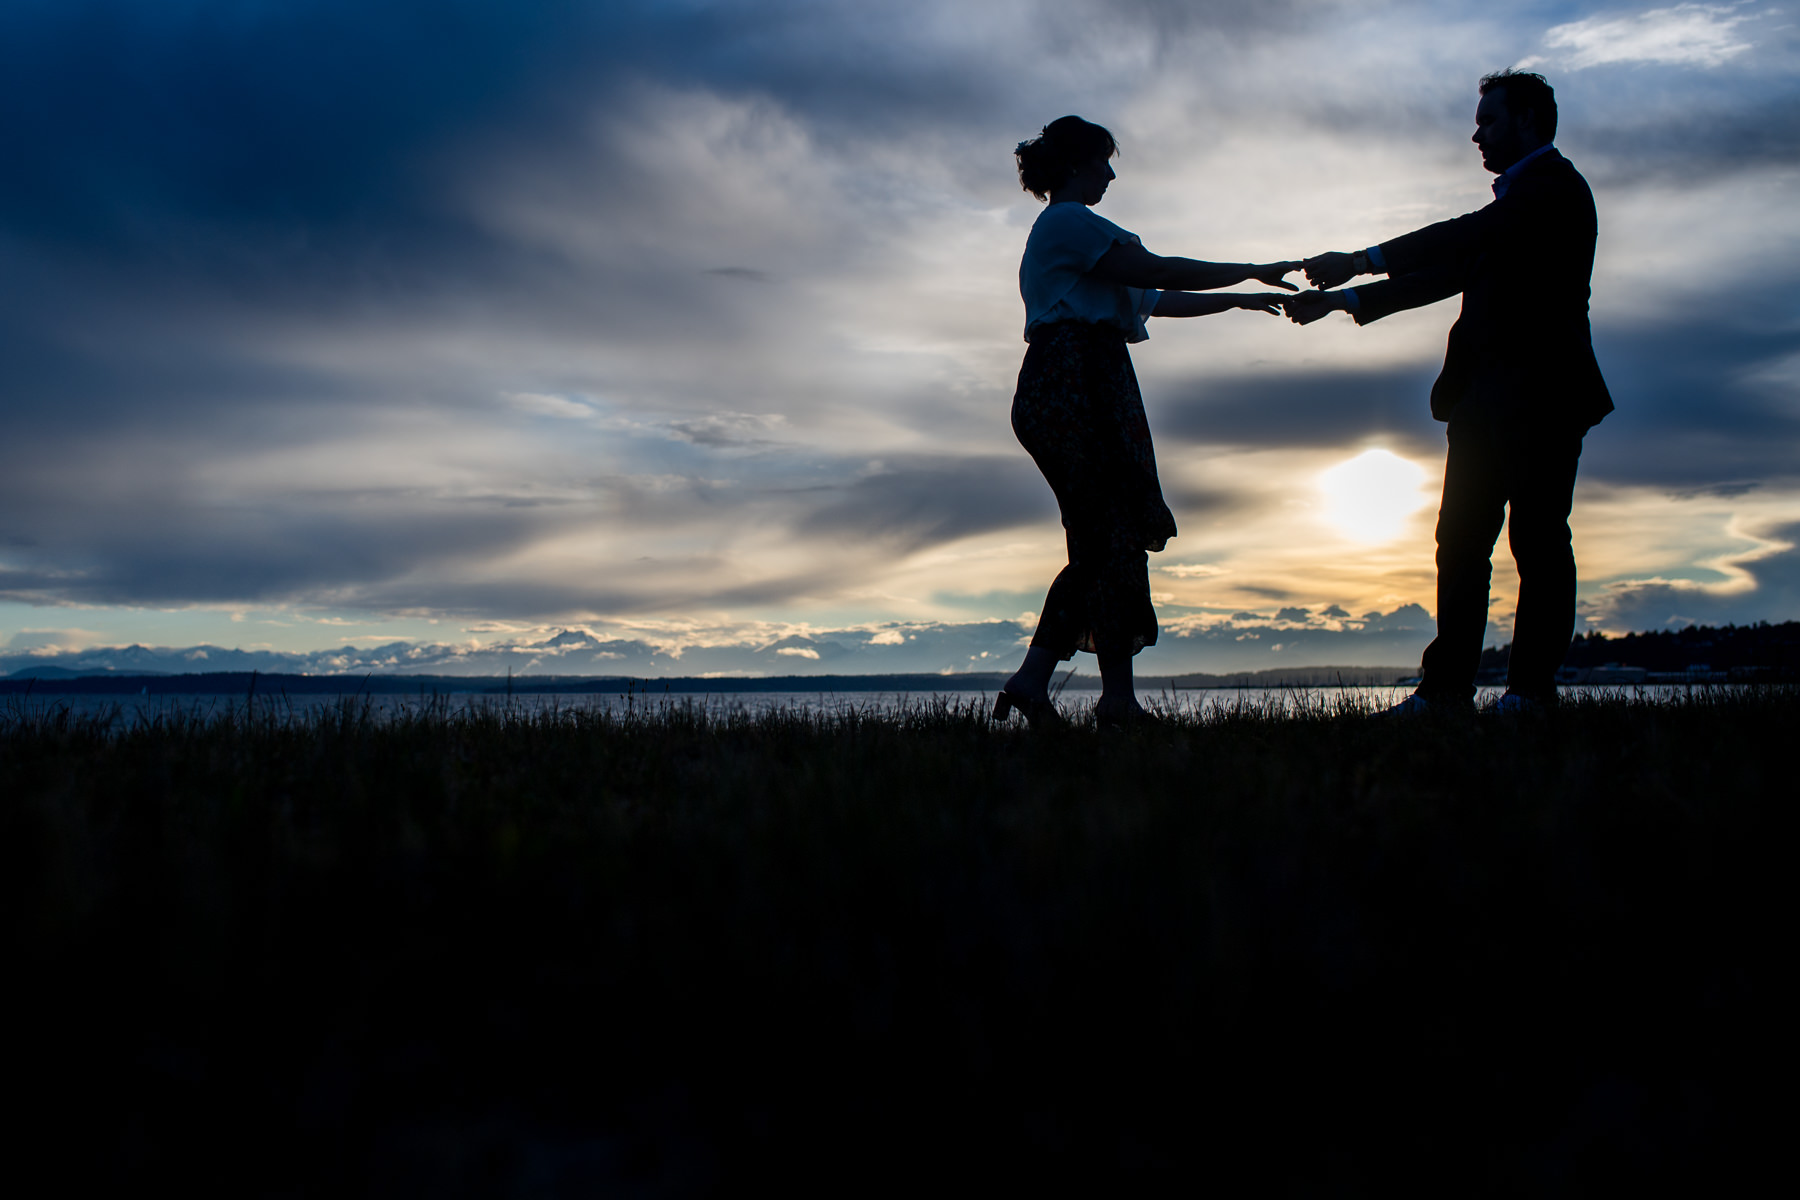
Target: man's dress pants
[{"x": 1497, "y": 461}]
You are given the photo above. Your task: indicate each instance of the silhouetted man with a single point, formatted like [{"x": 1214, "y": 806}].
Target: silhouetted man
[{"x": 1519, "y": 388}]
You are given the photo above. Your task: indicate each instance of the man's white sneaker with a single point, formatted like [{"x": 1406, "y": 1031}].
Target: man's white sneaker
[{"x": 1414, "y": 705}]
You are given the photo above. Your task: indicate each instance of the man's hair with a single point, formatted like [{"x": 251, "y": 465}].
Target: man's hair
[
  {"x": 1066, "y": 145},
  {"x": 1526, "y": 92}
]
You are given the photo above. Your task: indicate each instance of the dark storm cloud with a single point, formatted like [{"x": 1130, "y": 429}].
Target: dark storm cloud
[
  {"x": 915, "y": 502},
  {"x": 44, "y": 379},
  {"x": 277, "y": 145},
  {"x": 857, "y": 69},
  {"x": 1700, "y": 403},
  {"x": 306, "y": 158},
  {"x": 141, "y": 118},
  {"x": 160, "y": 546},
  {"x": 1276, "y": 408},
  {"x": 131, "y": 120},
  {"x": 1689, "y": 147},
  {"x": 1170, "y": 20},
  {"x": 154, "y": 537},
  {"x": 230, "y": 229},
  {"x": 142, "y": 121},
  {"x": 183, "y": 179}
]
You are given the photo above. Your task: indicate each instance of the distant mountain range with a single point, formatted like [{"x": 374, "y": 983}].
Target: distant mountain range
[
  {"x": 244, "y": 683},
  {"x": 940, "y": 656},
  {"x": 1247, "y": 643}
]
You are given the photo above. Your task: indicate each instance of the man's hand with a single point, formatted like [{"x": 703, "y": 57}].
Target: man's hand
[
  {"x": 1271, "y": 274},
  {"x": 1329, "y": 270},
  {"x": 1308, "y": 307}
]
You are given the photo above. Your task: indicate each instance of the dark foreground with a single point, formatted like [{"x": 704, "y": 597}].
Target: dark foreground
[{"x": 666, "y": 955}]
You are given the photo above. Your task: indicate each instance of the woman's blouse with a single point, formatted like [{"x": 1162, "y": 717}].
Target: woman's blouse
[{"x": 1066, "y": 241}]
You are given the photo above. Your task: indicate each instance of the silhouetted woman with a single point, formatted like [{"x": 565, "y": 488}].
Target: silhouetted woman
[{"x": 1088, "y": 285}]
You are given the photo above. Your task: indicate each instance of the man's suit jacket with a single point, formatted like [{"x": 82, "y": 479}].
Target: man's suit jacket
[{"x": 1522, "y": 265}]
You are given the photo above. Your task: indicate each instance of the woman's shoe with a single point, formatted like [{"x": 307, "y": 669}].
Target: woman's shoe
[
  {"x": 1122, "y": 717},
  {"x": 1039, "y": 711}
]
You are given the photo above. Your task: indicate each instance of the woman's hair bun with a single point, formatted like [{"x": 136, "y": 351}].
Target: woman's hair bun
[{"x": 1060, "y": 149}]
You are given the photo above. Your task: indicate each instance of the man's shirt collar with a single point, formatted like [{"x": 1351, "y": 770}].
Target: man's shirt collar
[{"x": 1511, "y": 173}]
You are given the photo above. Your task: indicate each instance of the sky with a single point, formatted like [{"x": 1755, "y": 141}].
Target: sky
[{"x": 680, "y": 337}]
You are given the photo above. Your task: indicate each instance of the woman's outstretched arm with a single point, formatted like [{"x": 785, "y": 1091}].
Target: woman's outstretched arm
[
  {"x": 1134, "y": 266},
  {"x": 1201, "y": 304}
]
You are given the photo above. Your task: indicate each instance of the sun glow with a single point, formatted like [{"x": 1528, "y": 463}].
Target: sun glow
[{"x": 1370, "y": 497}]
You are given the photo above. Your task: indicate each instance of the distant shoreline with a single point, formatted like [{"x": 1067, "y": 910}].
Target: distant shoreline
[{"x": 221, "y": 683}]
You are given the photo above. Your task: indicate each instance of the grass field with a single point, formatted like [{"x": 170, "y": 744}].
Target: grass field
[{"x": 662, "y": 953}]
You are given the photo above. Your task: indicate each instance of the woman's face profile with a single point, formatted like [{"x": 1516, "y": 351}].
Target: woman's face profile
[{"x": 1092, "y": 177}]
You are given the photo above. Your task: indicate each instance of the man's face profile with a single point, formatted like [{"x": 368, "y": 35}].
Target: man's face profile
[{"x": 1502, "y": 137}]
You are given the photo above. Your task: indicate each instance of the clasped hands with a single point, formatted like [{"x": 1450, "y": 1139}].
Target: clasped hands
[{"x": 1325, "y": 272}]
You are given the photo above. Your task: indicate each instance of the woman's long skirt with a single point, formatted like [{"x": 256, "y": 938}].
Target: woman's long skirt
[{"x": 1079, "y": 414}]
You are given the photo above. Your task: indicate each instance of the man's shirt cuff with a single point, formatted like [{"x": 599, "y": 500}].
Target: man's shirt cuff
[
  {"x": 1351, "y": 303},
  {"x": 1376, "y": 260}
]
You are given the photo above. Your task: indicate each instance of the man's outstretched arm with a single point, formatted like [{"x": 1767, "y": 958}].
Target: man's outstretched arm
[
  {"x": 1371, "y": 302},
  {"x": 1423, "y": 252},
  {"x": 1415, "y": 289}
]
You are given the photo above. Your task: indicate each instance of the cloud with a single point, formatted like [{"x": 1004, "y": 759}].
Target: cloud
[
  {"x": 1276, "y": 407},
  {"x": 1702, "y": 402},
  {"x": 549, "y": 406},
  {"x": 917, "y": 501},
  {"x": 728, "y": 429},
  {"x": 1704, "y": 35},
  {"x": 1695, "y": 146},
  {"x": 748, "y": 274},
  {"x": 1295, "y": 637},
  {"x": 580, "y": 313},
  {"x": 39, "y": 642},
  {"x": 1762, "y": 585}
]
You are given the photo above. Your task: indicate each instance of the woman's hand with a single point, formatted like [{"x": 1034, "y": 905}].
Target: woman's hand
[
  {"x": 1271, "y": 274},
  {"x": 1273, "y": 303}
]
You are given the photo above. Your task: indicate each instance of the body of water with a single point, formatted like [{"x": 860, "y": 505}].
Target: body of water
[{"x": 130, "y": 710}]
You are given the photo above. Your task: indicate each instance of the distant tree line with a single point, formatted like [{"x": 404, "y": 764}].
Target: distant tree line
[{"x": 1762, "y": 646}]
